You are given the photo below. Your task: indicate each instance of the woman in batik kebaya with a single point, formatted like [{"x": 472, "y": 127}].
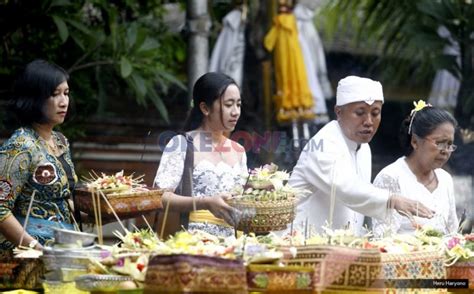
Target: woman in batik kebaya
[{"x": 37, "y": 175}]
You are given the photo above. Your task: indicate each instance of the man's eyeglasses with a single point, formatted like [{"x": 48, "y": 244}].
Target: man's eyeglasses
[{"x": 442, "y": 146}]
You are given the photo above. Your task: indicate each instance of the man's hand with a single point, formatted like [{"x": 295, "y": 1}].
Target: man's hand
[{"x": 407, "y": 207}]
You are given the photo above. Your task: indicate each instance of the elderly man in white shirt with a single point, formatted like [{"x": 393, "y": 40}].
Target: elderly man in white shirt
[{"x": 336, "y": 164}]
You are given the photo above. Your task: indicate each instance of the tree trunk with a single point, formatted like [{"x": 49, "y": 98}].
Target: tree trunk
[{"x": 198, "y": 24}]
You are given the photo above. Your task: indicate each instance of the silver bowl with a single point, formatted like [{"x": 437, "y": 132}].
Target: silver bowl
[
  {"x": 79, "y": 258},
  {"x": 63, "y": 236}
]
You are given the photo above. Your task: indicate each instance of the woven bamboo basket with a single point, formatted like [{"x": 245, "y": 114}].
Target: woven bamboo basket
[
  {"x": 183, "y": 273},
  {"x": 126, "y": 205},
  {"x": 414, "y": 265},
  {"x": 462, "y": 270},
  {"x": 264, "y": 216},
  {"x": 338, "y": 268},
  {"x": 408, "y": 270},
  {"x": 17, "y": 273}
]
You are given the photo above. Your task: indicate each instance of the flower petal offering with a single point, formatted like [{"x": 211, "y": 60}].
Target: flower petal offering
[
  {"x": 266, "y": 202},
  {"x": 118, "y": 183},
  {"x": 267, "y": 183},
  {"x": 118, "y": 195}
]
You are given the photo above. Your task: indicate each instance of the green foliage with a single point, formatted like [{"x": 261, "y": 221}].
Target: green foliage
[
  {"x": 110, "y": 48},
  {"x": 405, "y": 32}
]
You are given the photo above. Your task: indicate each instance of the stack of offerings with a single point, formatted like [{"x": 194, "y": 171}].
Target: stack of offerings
[
  {"x": 116, "y": 196},
  {"x": 180, "y": 273},
  {"x": 195, "y": 262},
  {"x": 338, "y": 268},
  {"x": 460, "y": 252},
  {"x": 410, "y": 260},
  {"x": 69, "y": 256},
  {"x": 267, "y": 203}
]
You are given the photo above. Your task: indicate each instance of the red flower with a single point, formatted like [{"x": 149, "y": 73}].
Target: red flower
[
  {"x": 137, "y": 239},
  {"x": 140, "y": 266}
]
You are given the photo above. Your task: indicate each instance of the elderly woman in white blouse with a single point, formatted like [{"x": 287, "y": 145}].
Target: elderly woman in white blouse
[{"x": 426, "y": 136}]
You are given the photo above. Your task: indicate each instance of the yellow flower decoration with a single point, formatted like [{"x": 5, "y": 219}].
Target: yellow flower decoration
[{"x": 419, "y": 106}]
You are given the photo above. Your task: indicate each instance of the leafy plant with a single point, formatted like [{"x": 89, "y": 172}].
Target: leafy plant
[
  {"x": 110, "y": 48},
  {"x": 405, "y": 33}
]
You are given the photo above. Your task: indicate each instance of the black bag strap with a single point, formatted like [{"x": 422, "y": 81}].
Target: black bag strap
[
  {"x": 62, "y": 138},
  {"x": 185, "y": 187}
]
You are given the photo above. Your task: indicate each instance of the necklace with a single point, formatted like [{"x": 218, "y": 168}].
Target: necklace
[
  {"x": 415, "y": 174},
  {"x": 431, "y": 181},
  {"x": 51, "y": 146}
]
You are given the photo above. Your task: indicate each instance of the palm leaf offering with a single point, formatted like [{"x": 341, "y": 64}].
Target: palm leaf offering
[
  {"x": 116, "y": 197},
  {"x": 267, "y": 183},
  {"x": 117, "y": 183},
  {"x": 266, "y": 202}
]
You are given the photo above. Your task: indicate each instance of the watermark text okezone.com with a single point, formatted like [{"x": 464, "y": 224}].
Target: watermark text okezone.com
[{"x": 271, "y": 142}]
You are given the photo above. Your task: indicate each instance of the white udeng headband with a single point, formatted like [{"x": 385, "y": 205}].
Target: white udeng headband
[{"x": 356, "y": 89}]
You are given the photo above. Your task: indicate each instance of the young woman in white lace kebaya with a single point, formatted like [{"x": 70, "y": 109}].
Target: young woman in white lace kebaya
[
  {"x": 426, "y": 136},
  {"x": 220, "y": 164}
]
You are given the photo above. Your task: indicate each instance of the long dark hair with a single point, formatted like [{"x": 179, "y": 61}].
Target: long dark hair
[
  {"x": 423, "y": 123},
  {"x": 33, "y": 87},
  {"x": 208, "y": 88}
]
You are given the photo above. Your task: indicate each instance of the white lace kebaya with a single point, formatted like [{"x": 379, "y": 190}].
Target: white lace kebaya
[
  {"x": 211, "y": 175},
  {"x": 399, "y": 179}
]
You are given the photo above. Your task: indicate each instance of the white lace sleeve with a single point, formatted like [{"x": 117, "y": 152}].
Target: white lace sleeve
[
  {"x": 392, "y": 222},
  {"x": 171, "y": 166}
]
